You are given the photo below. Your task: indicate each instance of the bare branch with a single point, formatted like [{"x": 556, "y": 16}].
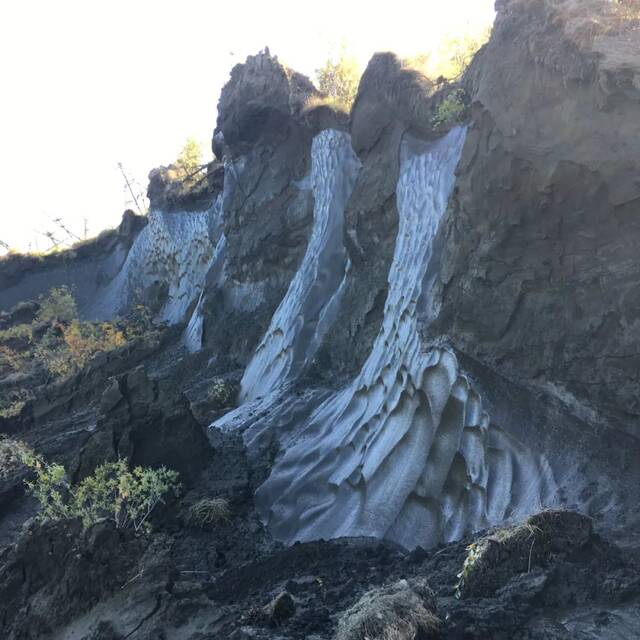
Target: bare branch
[{"x": 128, "y": 183}]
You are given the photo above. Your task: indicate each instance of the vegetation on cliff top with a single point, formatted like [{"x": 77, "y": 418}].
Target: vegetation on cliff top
[
  {"x": 451, "y": 110},
  {"x": 452, "y": 58},
  {"x": 338, "y": 78}
]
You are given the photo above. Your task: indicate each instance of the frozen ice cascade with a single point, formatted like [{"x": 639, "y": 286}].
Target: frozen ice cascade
[
  {"x": 192, "y": 337},
  {"x": 174, "y": 248},
  {"x": 311, "y": 302},
  {"x": 406, "y": 451}
]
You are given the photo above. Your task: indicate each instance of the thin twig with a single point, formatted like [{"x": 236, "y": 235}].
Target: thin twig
[
  {"x": 132, "y": 579},
  {"x": 530, "y": 552}
]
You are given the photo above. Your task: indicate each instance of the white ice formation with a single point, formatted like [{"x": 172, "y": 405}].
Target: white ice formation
[
  {"x": 405, "y": 452},
  {"x": 176, "y": 249},
  {"x": 311, "y": 302}
]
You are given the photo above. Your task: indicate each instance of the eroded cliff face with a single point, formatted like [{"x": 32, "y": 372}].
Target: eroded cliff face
[
  {"x": 378, "y": 328},
  {"x": 316, "y": 293},
  {"x": 268, "y": 207},
  {"x": 392, "y": 99},
  {"x": 85, "y": 268},
  {"x": 405, "y": 452},
  {"x": 539, "y": 273}
]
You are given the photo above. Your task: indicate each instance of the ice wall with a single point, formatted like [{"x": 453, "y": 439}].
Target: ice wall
[
  {"x": 175, "y": 250},
  {"x": 406, "y": 452},
  {"x": 192, "y": 337},
  {"x": 311, "y": 302}
]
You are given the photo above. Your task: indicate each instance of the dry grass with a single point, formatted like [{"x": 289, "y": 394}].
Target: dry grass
[
  {"x": 397, "y": 612},
  {"x": 626, "y": 10},
  {"x": 587, "y": 20},
  {"x": 209, "y": 511},
  {"x": 507, "y": 551},
  {"x": 333, "y": 103}
]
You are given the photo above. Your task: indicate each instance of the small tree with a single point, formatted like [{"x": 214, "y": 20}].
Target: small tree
[
  {"x": 452, "y": 57},
  {"x": 190, "y": 157},
  {"x": 339, "y": 78},
  {"x": 463, "y": 49}
]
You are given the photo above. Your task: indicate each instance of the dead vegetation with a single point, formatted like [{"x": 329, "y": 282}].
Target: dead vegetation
[
  {"x": 401, "y": 611},
  {"x": 588, "y": 20},
  {"x": 330, "y": 102},
  {"x": 209, "y": 511},
  {"x": 508, "y": 551}
]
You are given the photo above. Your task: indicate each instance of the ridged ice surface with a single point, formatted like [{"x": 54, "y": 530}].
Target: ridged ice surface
[
  {"x": 192, "y": 337},
  {"x": 406, "y": 452},
  {"x": 310, "y": 304},
  {"x": 174, "y": 248}
]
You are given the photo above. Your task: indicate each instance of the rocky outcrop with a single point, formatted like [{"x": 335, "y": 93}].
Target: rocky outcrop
[
  {"x": 143, "y": 421},
  {"x": 44, "y": 582},
  {"x": 539, "y": 274},
  {"x": 104, "y": 583},
  {"x": 268, "y": 206},
  {"x": 392, "y": 100}
]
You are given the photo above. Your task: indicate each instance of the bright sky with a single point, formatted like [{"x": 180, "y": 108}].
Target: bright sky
[{"x": 90, "y": 83}]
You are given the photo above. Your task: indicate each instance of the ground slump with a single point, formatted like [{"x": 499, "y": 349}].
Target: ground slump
[
  {"x": 311, "y": 302},
  {"x": 175, "y": 248},
  {"x": 406, "y": 452}
]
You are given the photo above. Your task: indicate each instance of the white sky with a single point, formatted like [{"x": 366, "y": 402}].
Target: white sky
[{"x": 90, "y": 83}]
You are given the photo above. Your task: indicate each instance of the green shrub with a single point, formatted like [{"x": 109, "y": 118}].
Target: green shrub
[
  {"x": 62, "y": 346},
  {"x": 10, "y": 360},
  {"x": 128, "y": 497},
  {"x": 50, "y": 488},
  {"x": 13, "y": 401},
  {"x": 69, "y": 345},
  {"x": 84, "y": 339},
  {"x": 462, "y": 50},
  {"x": 12, "y": 455},
  {"x": 209, "y": 511},
  {"x": 58, "y": 306},
  {"x": 17, "y": 332},
  {"x": 450, "y": 110}
]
